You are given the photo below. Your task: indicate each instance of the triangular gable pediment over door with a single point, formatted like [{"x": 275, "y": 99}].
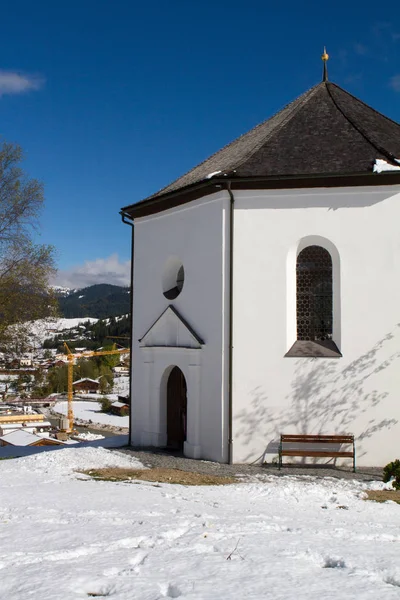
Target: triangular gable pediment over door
[{"x": 171, "y": 330}]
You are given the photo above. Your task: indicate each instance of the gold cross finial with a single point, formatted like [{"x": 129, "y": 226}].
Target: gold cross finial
[{"x": 325, "y": 58}]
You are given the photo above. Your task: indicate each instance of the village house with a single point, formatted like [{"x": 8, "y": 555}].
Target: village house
[
  {"x": 12, "y": 419},
  {"x": 266, "y": 289},
  {"x": 124, "y": 399},
  {"x": 119, "y": 408},
  {"x": 120, "y": 370},
  {"x": 13, "y": 364},
  {"x": 86, "y": 386},
  {"x": 38, "y": 426},
  {"x": 59, "y": 363},
  {"x": 25, "y": 362},
  {"x": 24, "y": 438},
  {"x": 46, "y": 364}
]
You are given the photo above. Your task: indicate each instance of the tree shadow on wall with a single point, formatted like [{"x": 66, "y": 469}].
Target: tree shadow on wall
[{"x": 324, "y": 398}]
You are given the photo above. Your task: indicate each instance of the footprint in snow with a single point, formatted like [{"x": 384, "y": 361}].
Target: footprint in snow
[
  {"x": 392, "y": 578},
  {"x": 170, "y": 590},
  {"x": 136, "y": 562},
  {"x": 173, "y": 535},
  {"x": 95, "y": 589},
  {"x": 134, "y": 542},
  {"x": 332, "y": 562}
]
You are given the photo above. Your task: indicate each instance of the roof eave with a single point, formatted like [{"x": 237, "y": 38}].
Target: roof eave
[
  {"x": 191, "y": 192},
  {"x": 155, "y": 200}
]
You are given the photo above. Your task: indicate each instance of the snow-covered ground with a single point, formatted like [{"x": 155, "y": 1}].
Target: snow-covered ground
[
  {"x": 65, "y": 537},
  {"x": 91, "y": 411},
  {"x": 121, "y": 385},
  {"x": 89, "y": 437}
]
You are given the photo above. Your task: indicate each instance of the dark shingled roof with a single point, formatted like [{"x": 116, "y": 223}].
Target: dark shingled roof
[{"x": 326, "y": 131}]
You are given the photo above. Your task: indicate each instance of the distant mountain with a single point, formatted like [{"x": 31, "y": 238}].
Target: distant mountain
[
  {"x": 99, "y": 301},
  {"x": 62, "y": 291}
]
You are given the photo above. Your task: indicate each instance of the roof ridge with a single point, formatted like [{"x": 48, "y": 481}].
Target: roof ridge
[
  {"x": 306, "y": 95},
  {"x": 364, "y": 103},
  {"x": 361, "y": 130}
]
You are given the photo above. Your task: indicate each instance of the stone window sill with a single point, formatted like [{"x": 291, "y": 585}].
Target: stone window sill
[{"x": 314, "y": 349}]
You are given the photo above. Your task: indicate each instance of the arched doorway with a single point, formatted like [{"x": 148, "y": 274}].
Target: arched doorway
[{"x": 176, "y": 409}]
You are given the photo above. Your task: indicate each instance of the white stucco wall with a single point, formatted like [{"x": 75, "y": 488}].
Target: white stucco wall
[
  {"x": 358, "y": 393},
  {"x": 196, "y": 233}
]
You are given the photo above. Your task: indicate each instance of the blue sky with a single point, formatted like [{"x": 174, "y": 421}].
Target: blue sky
[{"x": 113, "y": 100}]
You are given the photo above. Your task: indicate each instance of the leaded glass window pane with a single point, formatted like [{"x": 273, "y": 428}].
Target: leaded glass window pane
[{"x": 314, "y": 294}]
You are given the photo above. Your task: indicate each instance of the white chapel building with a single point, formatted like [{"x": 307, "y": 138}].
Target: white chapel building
[{"x": 266, "y": 289}]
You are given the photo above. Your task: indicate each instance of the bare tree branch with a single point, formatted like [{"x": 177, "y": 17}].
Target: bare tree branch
[{"x": 25, "y": 268}]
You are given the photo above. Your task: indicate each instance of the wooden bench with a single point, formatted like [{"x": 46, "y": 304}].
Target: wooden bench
[{"x": 289, "y": 446}]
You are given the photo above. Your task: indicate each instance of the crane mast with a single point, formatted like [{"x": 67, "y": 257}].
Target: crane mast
[{"x": 71, "y": 357}]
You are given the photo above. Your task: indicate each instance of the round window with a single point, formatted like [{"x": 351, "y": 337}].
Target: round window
[{"x": 173, "y": 279}]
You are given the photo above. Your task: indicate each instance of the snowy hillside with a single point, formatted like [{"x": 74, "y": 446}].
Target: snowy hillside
[
  {"x": 45, "y": 328},
  {"x": 65, "y": 537}
]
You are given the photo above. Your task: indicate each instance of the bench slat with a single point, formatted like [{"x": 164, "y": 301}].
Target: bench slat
[
  {"x": 322, "y": 440},
  {"x": 320, "y": 453},
  {"x": 338, "y": 439}
]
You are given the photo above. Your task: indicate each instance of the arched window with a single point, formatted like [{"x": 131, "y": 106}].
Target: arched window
[{"x": 314, "y": 294}]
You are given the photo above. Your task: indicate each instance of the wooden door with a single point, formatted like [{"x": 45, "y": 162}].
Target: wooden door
[{"x": 176, "y": 409}]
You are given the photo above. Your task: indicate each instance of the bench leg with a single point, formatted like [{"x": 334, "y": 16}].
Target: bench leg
[
  {"x": 280, "y": 457},
  {"x": 354, "y": 458}
]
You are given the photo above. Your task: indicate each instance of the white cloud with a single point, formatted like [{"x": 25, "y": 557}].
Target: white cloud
[
  {"x": 12, "y": 82},
  {"x": 102, "y": 270},
  {"x": 394, "y": 83}
]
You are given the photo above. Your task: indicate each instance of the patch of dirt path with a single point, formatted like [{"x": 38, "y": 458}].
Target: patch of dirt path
[{"x": 159, "y": 475}]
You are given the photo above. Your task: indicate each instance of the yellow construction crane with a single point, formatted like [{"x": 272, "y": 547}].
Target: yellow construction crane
[{"x": 71, "y": 357}]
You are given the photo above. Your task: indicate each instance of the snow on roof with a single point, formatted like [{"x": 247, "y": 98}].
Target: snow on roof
[
  {"x": 21, "y": 438},
  {"x": 212, "y": 174},
  {"x": 86, "y": 379},
  {"x": 381, "y": 166},
  {"x": 29, "y": 425},
  {"x": 119, "y": 404}
]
